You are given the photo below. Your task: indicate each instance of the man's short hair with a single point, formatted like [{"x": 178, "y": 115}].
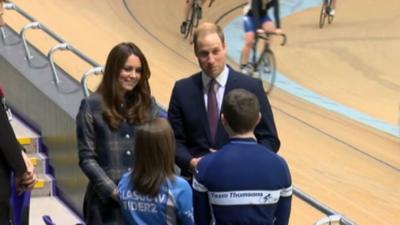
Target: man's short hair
[
  {"x": 241, "y": 109},
  {"x": 207, "y": 28}
]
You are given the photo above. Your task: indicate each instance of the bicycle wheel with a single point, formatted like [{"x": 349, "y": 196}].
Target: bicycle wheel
[
  {"x": 189, "y": 27},
  {"x": 193, "y": 23},
  {"x": 196, "y": 16},
  {"x": 323, "y": 14},
  {"x": 266, "y": 67}
]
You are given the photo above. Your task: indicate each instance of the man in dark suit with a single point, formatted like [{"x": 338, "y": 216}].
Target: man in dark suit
[
  {"x": 195, "y": 107},
  {"x": 11, "y": 159}
]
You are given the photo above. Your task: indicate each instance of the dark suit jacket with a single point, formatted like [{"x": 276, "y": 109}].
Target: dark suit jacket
[
  {"x": 10, "y": 156},
  {"x": 188, "y": 117}
]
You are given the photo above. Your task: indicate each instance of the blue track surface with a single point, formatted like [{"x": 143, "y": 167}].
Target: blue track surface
[{"x": 235, "y": 40}]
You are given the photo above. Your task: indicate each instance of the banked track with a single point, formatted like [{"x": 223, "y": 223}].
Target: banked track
[{"x": 325, "y": 167}]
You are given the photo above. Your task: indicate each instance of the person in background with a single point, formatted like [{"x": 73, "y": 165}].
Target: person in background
[
  {"x": 106, "y": 125},
  {"x": 256, "y": 19},
  {"x": 12, "y": 159},
  {"x": 196, "y": 101},
  {"x": 187, "y": 11},
  {"x": 243, "y": 182},
  {"x": 151, "y": 193}
]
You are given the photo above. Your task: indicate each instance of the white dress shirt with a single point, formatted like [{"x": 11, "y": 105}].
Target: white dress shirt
[{"x": 221, "y": 80}]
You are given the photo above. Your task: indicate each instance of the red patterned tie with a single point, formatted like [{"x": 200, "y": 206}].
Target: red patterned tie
[{"x": 212, "y": 107}]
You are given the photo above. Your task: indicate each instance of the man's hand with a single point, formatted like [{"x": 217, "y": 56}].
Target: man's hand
[
  {"x": 28, "y": 163},
  {"x": 278, "y": 31},
  {"x": 194, "y": 162},
  {"x": 26, "y": 181},
  {"x": 115, "y": 195},
  {"x": 260, "y": 31}
]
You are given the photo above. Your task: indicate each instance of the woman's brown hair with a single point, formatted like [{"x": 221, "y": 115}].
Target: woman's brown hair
[
  {"x": 154, "y": 156},
  {"x": 135, "y": 107}
]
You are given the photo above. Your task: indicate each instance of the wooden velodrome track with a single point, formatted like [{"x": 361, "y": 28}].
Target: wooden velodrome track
[{"x": 353, "y": 168}]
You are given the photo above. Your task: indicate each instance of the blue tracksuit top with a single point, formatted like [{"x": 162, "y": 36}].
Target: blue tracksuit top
[
  {"x": 172, "y": 206},
  {"x": 242, "y": 183}
]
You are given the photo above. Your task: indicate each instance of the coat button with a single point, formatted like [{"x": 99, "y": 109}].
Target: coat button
[
  {"x": 127, "y": 136},
  {"x": 128, "y": 152}
]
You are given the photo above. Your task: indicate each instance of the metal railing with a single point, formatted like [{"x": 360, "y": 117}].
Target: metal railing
[
  {"x": 3, "y": 33},
  {"x": 62, "y": 46},
  {"x": 332, "y": 216},
  {"x": 7, "y": 6},
  {"x": 93, "y": 71},
  {"x": 33, "y": 25}
]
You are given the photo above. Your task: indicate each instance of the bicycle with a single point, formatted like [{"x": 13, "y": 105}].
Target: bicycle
[
  {"x": 264, "y": 67},
  {"x": 326, "y": 12},
  {"x": 195, "y": 17}
]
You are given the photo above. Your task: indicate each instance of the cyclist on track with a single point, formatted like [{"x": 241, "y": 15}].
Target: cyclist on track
[
  {"x": 256, "y": 18},
  {"x": 188, "y": 11}
]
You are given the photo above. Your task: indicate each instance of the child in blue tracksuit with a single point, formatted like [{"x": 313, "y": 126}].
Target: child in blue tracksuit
[
  {"x": 151, "y": 193},
  {"x": 243, "y": 182}
]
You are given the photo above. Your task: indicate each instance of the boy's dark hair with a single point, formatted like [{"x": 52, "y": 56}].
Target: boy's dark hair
[{"x": 241, "y": 109}]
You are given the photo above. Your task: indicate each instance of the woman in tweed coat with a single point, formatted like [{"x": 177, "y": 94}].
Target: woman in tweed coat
[{"x": 106, "y": 130}]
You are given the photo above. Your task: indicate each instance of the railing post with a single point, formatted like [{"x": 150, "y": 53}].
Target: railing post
[
  {"x": 7, "y": 6},
  {"x": 96, "y": 71},
  {"x": 61, "y": 47},
  {"x": 328, "y": 220},
  {"x": 37, "y": 25},
  {"x": 33, "y": 25},
  {"x": 3, "y": 33}
]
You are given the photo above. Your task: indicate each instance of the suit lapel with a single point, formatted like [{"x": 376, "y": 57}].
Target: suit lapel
[
  {"x": 199, "y": 95},
  {"x": 231, "y": 82}
]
